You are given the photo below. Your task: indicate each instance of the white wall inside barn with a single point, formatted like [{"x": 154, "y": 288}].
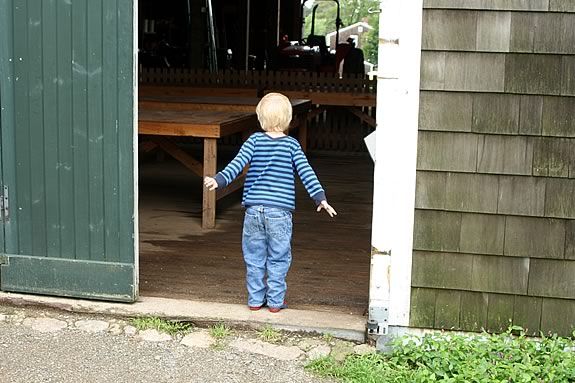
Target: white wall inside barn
[{"x": 395, "y": 163}]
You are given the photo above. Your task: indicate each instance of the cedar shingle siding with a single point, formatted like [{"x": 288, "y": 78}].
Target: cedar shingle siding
[{"x": 494, "y": 237}]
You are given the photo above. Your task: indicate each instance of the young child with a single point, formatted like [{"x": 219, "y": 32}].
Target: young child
[{"x": 269, "y": 199}]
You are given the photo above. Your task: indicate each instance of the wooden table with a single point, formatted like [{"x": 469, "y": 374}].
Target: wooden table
[
  {"x": 162, "y": 125},
  {"x": 300, "y": 107}
]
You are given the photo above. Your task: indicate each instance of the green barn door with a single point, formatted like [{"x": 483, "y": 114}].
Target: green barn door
[{"x": 67, "y": 88}]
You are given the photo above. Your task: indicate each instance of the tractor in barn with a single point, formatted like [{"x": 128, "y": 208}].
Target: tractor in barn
[{"x": 310, "y": 53}]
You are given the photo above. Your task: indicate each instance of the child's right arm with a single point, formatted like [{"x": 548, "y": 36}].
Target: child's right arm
[{"x": 234, "y": 168}]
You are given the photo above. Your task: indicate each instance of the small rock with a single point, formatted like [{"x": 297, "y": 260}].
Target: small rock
[
  {"x": 201, "y": 339},
  {"x": 362, "y": 349},
  {"x": 153, "y": 335},
  {"x": 92, "y": 325},
  {"x": 308, "y": 344},
  {"x": 45, "y": 324},
  {"x": 318, "y": 352},
  {"x": 341, "y": 350},
  {"x": 130, "y": 330},
  {"x": 271, "y": 350},
  {"x": 3, "y": 317},
  {"x": 115, "y": 329},
  {"x": 15, "y": 318}
]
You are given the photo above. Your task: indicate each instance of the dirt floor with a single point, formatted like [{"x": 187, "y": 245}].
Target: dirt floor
[{"x": 331, "y": 257}]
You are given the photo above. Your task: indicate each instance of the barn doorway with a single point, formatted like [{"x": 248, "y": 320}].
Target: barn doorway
[{"x": 181, "y": 259}]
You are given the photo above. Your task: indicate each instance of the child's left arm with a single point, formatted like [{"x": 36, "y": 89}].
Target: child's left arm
[
  {"x": 311, "y": 183},
  {"x": 330, "y": 210}
]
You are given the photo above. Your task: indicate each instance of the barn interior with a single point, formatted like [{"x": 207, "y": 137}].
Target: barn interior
[{"x": 201, "y": 49}]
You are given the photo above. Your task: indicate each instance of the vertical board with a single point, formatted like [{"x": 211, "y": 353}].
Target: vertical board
[
  {"x": 125, "y": 78},
  {"x": 68, "y": 146},
  {"x": 20, "y": 135},
  {"x": 110, "y": 108},
  {"x": 6, "y": 113},
  {"x": 50, "y": 123}
]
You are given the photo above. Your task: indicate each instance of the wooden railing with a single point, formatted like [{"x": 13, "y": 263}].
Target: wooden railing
[
  {"x": 332, "y": 129},
  {"x": 260, "y": 80}
]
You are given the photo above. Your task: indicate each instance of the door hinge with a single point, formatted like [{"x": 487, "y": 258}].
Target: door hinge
[{"x": 4, "y": 206}]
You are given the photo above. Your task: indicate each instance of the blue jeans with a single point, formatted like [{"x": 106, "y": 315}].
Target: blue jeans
[{"x": 266, "y": 244}]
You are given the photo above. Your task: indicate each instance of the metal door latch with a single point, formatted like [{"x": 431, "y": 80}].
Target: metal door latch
[
  {"x": 378, "y": 321},
  {"x": 4, "y": 207}
]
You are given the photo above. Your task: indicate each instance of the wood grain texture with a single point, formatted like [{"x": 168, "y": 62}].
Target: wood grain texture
[{"x": 205, "y": 124}]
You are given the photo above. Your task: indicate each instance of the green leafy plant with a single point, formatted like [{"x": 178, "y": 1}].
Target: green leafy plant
[
  {"x": 220, "y": 331},
  {"x": 454, "y": 358},
  {"x": 169, "y": 327},
  {"x": 269, "y": 334}
]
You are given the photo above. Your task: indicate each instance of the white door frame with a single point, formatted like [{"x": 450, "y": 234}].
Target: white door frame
[{"x": 399, "y": 56}]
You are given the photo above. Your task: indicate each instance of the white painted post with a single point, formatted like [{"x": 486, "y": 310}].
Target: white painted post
[{"x": 395, "y": 162}]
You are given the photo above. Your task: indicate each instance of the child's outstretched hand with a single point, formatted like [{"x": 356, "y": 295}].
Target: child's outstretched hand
[
  {"x": 330, "y": 210},
  {"x": 210, "y": 183}
]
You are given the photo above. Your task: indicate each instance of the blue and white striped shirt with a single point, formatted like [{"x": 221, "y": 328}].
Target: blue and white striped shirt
[{"x": 271, "y": 176}]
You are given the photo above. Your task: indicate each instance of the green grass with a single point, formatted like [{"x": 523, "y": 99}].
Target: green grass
[
  {"x": 220, "y": 331},
  {"x": 454, "y": 358},
  {"x": 269, "y": 334},
  {"x": 327, "y": 337},
  {"x": 169, "y": 327}
]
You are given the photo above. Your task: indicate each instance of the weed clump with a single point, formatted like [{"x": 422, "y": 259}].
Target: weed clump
[{"x": 162, "y": 325}]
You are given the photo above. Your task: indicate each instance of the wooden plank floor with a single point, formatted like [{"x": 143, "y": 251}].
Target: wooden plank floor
[{"x": 331, "y": 257}]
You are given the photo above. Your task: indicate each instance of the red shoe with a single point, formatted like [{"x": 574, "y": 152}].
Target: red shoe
[
  {"x": 254, "y": 308},
  {"x": 278, "y": 309}
]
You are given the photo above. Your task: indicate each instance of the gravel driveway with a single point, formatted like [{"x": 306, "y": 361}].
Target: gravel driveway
[{"x": 31, "y": 352}]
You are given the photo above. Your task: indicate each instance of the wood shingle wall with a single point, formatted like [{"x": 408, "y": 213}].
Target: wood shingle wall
[{"x": 494, "y": 236}]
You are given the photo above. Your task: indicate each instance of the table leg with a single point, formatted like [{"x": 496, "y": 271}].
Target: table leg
[
  {"x": 303, "y": 133},
  {"x": 209, "y": 197}
]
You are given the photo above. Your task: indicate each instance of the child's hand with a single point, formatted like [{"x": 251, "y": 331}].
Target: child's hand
[
  {"x": 210, "y": 183},
  {"x": 330, "y": 210}
]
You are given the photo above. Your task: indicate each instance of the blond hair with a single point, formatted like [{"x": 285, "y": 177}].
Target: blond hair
[{"x": 274, "y": 112}]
